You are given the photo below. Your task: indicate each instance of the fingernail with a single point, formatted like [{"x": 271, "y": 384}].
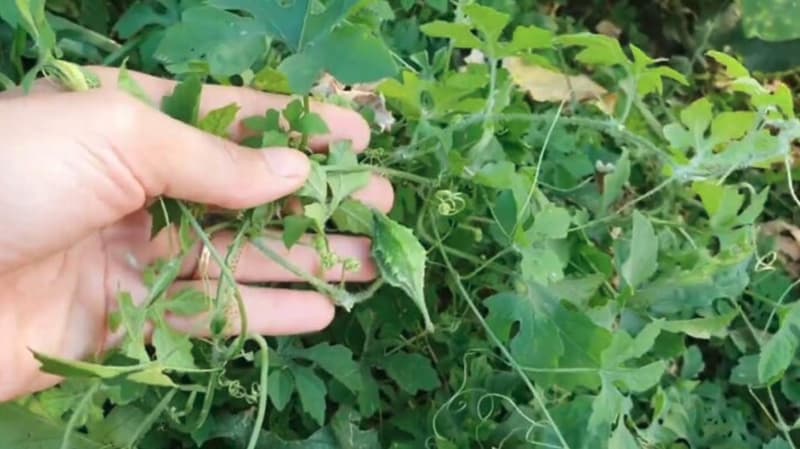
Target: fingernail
[{"x": 287, "y": 163}]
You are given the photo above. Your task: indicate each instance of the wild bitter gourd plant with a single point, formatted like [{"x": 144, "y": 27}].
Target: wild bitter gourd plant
[{"x": 578, "y": 274}]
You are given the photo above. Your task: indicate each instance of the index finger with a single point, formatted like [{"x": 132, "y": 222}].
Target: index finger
[{"x": 344, "y": 124}]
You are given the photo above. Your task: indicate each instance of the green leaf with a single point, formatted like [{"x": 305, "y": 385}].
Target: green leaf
[
  {"x": 624, "y": 348},
  {"x": 343, "y": 183},
  {"x": 152, "y": 375},
  {"x": 722, "y": 202},
  {"x": 551, "y": 223},
  {"x": 583, "y": 340},
  {"x": 218, "y": 121},
  {"x": 614, "y": 182},
  {"x": 184, "y": 102},
  {"x": 344, "y": 426},
  {"x": 227, "y": 43},
  {"x": 693, "y": 363},
  {"x": 496, "y": 175},
  {"x": 302, "y": 70},
  {"x": 697, "y": 118},
  {"x": 132, "y": 318},
  {"x": 622, "y": 438},
  {"x": 528, "y": 38},
  {"x": 412, "y": 372},
  {"x": 312, "y": 392},
  {"x": 316, "y": 186},
  {"x": 641, "y": 379},
  {"x": 746, "y": 371},
  {"x": 270, "y": 121},
  {"x": 164, "y": 211},
  {"x": 295, "y": 23},
  {"x": 336, "y": 360},
  {"x": 350, "y": 54},
  {"x": 578, "y": 290},
  {"x": 186, "y": 303},
  {"x": 696, "y": 286},
  {"x": 273, "y": 139},
  {"x": 369, "y": 400},
  {"x": 541, "y": 265},
  {"x": 353, "y": 217},
  {"x": 488, "y": 21},
  {"x": 20, "y": 428},
  {"x": 459, "y": 33},
  {"x": 172, "y": 348},
  {"x": 732, "y": 125},
  {"x": 597, "y": 49},
  {"x": 77, "y": 368},
  {"x": 136, "y": 18},
  {"x": 31, "y": 16},
  {"x": 293, "y": 112},
  {"x": 702, "y": 328},
  {"x": 734, "y": 68},
  {"x": 270, "y": 79},
  {"x": 550, "y": 335},
  {"x": 771, "y": 20},
  {"x": 780, "y": 350},
  {"x": 312, "y": 124},
  {"x": 281, "y": 386},
  {"x": 118, "y": 427},
  {"x": 641, "y": 262},
  {"x": 294, "y": 227},
  {"x": 537, "y": 342},
  {"x": 606, "y": 407},
  {"x": 401, "y": 260},
  {"x": 318, "y": 215},
  {"x": 128, "y": 84},
  {"x": 777, "y": 443}
]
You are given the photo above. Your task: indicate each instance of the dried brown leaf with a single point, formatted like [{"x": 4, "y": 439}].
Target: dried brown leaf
[
  {"x": 608, "y": 28},
  {"x": 359, "y": 94},
  {"x": 547, "y": 85},
  {"x": 787, "y": 242}
]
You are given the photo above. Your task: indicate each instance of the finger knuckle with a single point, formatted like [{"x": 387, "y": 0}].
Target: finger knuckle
[{"x": 124, "y": 113}]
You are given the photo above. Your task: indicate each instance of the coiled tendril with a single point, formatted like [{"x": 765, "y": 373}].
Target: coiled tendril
[{"x": 449, "y": 203}]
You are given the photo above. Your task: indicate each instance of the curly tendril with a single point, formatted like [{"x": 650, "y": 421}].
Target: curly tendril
[{"x": 449, "y": 203}]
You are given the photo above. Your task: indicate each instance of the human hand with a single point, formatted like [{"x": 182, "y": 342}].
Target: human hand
[{"x": 77, "y": 170}]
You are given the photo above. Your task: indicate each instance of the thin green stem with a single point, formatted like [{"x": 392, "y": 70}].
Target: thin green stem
[
  {"x": 318, "y": 284},
  {"x": 783, "y": 297},
  {"x": 73, "y": 420},
  {"x": 226, "y": 272},
  {"x": 306, "y": 111},
  {"x": 782, "y": 426},
  {"x": 147, "y": 423},
  {"x": 535, "y": 181},
  {"x": 466, "y": 296},
  {"x": 263, "y": 390},
  {"x": 88, "y": 36},
  {"x": 763, "y": 407},
  {"x": 489, "y": 262},
  {"x": 339, "y": 296},
  {"x": 630, "y": 95},
  {"x": 392, "y": 173},
  {"x": 224, "y": 268},
  {"x": 114, "y": 57}
]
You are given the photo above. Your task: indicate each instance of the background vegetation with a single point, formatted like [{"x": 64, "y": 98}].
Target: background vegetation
[{"x": 602, "y": 191}]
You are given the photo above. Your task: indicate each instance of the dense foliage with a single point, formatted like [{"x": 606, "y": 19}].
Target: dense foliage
[{"x": 591, "y": 245}]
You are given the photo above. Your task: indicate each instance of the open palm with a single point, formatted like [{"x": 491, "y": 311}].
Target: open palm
[{"x": 76, "y": 172}]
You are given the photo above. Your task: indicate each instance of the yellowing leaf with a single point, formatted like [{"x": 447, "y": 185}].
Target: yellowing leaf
[
  {"x": 547, "y": 85},
  {"x": 608, "y": 28}
]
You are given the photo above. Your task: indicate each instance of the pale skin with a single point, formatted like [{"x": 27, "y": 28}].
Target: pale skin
[{"x": 77, "y": 171}]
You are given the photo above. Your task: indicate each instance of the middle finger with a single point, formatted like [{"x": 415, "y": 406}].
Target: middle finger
[{"x": 256, "y": 267}]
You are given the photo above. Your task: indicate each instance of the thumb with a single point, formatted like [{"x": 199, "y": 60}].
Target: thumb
[{"x": 173, "y": 159}]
